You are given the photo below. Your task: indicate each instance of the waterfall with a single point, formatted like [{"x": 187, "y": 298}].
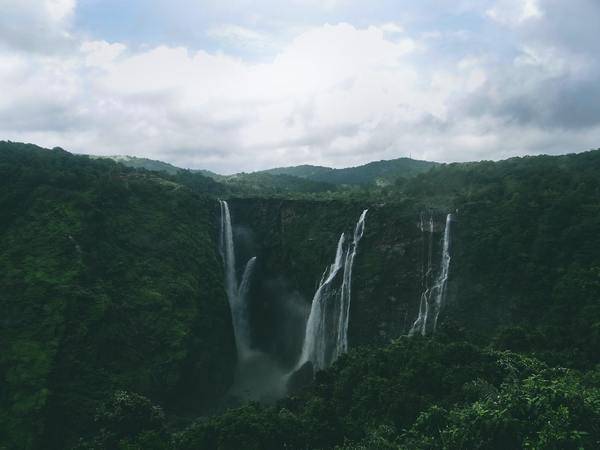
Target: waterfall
[
  {"x": 228, "y": 253},
  {"x": 245, "y": 284},
  {"x": 442, "y": 282},
  {"x": 419, "y": 325},
  {"x": 326, "y": 335},
  {"x": 433, "y": 296},
  {"x": 315, "y": 337},
  {"x": 242, "y": 325},
  {"x": 237, "y": 296},
  {"x": 346, "y": 294}
]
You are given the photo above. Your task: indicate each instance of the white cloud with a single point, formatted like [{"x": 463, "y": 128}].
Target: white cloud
[
  {"x": 391, "y": 27},
  {"x": 59, "y": 10},
  {"x": 101, "y": 53},
  {"x": 242, "y": 37},
  {"x": 36, "y": 25},
  {"x": 334, "y": 94},
  {"x": 168, "y": 99},
  {"x": 514, "y": 12},
  {"x": 39, "y": 10},
  {"x": 325, "y": 4}
]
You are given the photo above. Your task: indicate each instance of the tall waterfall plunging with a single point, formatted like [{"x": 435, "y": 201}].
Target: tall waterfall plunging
[
  {"x": 433, "y": 296},
  {"x": 326, "y": 335},
  {"x": 315, "y": 338},
  {"x": 443, "y": 279},
  {"x": 228, "y": 253},
  {"x": 346, "y": 295},
  {"x": 237, "y": 296}
]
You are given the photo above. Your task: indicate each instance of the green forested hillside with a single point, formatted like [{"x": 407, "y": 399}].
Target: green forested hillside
[
  {"x": 378, "y": 172},
  {"x": 303, "y": 171},
  {"x": 296, "y": 179},
  {"x": 525, "y": 263},
  {"x": 143, "y": 163},
  {"x": 270, "y": 185},
  {"x": 115, "y": 326},
  {"x": 109, "y": 279},
  {"x": 413, "y": 394},
  {"x": 241, "y": 184},
  {"x": 526, "y": 256},
  {"x": 154, "y": 165}
]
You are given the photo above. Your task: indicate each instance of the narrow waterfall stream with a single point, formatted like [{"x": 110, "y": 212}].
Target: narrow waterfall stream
[
  {"x": 433, "y": 295},
  {"x": 237, "y": 296},
  {"x": 346, "y": 294}
]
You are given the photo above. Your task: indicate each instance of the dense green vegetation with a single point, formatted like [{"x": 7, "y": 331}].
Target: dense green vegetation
[
  {"x": 414, "y": 394},
  {"x": 265, "y": 184},
  {"x": 109, "y": 279},
  {"x": 525, "y": 265},
  {"x": 297, "y": 180},
  {"x": 143, "y": 163},
  {"x": 526, "y": 256},
  {"x": 374, "y": 173},
  {"x": 115, "y": 330}
]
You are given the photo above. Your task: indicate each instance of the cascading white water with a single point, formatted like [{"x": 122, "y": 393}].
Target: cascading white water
[
  {"x": 326, "y": 335},
  {"x": 346, "y": 294},
  {"x": 419, "y": 325},
  {"x": 315, "y": 337},
  {"x": 245, "y": 284},
  {"x": 242, "y": 326},
  {"x": 433, "y": 296},
  {"x": 442, "y": 282},
  {"x": 237, "y": 297}
]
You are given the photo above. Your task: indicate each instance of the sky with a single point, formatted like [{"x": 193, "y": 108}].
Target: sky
[{"x": 241, "y": 85}]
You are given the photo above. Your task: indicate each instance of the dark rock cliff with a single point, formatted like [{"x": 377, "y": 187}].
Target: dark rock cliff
[
  {"x": 294, "y": 242},
  {"x": 523, "y": 261}
]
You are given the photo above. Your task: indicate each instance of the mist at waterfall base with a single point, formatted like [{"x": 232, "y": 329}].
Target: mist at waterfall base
[
  {"x": 278, "y": 315},
  {"x": 275, "y": 332},
  {"x": 268, "y": 316}
]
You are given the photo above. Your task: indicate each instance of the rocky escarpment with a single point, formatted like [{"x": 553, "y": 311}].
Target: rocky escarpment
[
  {"x": 295, "y": 240},
  {"x": 522, "y": 263}
]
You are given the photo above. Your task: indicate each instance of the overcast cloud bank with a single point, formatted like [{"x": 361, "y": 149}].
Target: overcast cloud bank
[{"x": 505, "y": 78}]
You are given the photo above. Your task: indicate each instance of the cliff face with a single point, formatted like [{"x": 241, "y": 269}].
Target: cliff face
[
  {"x": 294, "y": 242},
  {"x": 110, "y": 280},
  {"x": 524, "y": 261}
]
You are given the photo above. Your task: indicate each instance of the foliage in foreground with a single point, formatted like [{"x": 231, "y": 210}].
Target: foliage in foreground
[{"x": 414, "y": 394}]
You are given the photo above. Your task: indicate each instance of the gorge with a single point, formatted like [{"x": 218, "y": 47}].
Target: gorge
[
  {"x": 326, "y": 326},
  {"x": 125, "y": 289}
]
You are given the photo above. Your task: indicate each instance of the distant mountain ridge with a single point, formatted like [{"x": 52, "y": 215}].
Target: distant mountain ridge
[
  {"x": 154, "y": 165},
  {"x": 142, "y": 163},
  {"x": 377, "y": 172}
]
